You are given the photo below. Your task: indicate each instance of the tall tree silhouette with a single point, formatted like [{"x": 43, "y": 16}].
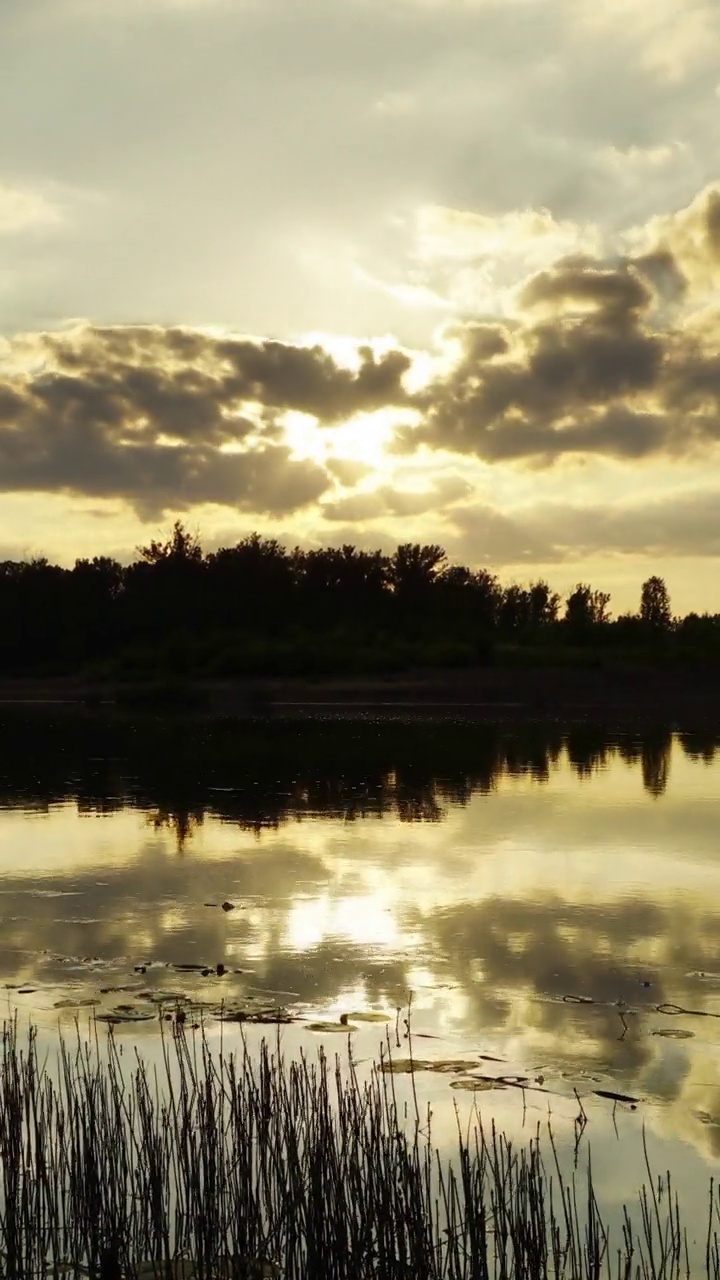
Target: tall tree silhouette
[
  {"x": 413, "y": 571},
  {"x": 586, "y": 609},
  {"x": 655, "y": 611}
]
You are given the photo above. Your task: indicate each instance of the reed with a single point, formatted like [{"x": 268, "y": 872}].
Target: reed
[{"x": 242, "y": 1165}]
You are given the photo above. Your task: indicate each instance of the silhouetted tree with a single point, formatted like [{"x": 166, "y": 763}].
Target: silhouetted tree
[
  {"x": 95, "y": 588},
  {"x": 181, "y": 547},
  {"x": 514, "y": 613},
  {"x": 473, "y": 597},
  {"x": 544, "y": 604},
  {"x": 527, "y": 609},
  {"x": 164, "y": 595},
  {"x": 339, "y": 582},
  {"x": 251, "y": 584},
  {"x": 586, "y": 609},
  {"x": 413, "y": 570},
  {"x": 655, "y": 609}
]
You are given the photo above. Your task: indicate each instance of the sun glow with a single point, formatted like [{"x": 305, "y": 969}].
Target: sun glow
[
  {"x": 366, "y": 919},
  {"x": 365, "y": 439}
]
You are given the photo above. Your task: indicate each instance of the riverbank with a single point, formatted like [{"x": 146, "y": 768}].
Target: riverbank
[{"x": 673, "y": 696}]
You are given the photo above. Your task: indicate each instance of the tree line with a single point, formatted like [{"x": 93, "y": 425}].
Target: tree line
[{"x": 261, "y": 608}]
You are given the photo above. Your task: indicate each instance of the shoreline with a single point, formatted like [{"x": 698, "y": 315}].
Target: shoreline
[{"x": 680, "y": 696}]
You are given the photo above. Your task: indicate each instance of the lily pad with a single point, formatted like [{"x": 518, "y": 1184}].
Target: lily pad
[
  {"x": 477, "y": 1084},
  {"x": 257, "y": 1016},
  {"x": 330, "y": 1026},
  {"x": 406, "y": 1066},
  {"x": 125, "y": 1014},
  {"x": 79, "y": 1003},
  {"x": 368, "y": 1015}
]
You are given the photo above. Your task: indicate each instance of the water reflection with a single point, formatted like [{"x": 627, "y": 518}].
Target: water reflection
[
  {"x": 265, "y": 775},
  {"x": 548, "y": 896}
]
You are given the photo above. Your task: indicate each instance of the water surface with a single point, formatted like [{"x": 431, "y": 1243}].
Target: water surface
[{"x": 547, "y": 901}]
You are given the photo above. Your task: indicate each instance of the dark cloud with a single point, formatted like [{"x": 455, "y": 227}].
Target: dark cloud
[
  {"x": 598, "y": 362},
  {"x": 277, "y": 375},
  {"x": 146, "y": 415},
  {"x": 309, "y": 380},
  {"x": 615, "y": 293},
  {"x": 664, "y": 274},
  {"x": 604, "y": 357}
]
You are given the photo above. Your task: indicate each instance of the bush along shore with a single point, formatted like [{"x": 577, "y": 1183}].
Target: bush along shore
[{"x": 243, "y": 1165}]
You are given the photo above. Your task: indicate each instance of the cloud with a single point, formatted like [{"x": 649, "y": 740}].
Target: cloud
[
  {"x": 25, "y": 209},
  {"x": 469, "y": 260},
  {"x": 168, "y": 418},
  {"x": 402, "y": 503},
  {"x": 489, "y": 109},
  {"x": 672, "y": 37},
  {"x": 679, "y": 524},
  {"x": 530, "y": 235},
  {"x": 604, "y": 355},
  {"x": 637, "y": 161},
  {"x": 395, "y": 104},
  {"x": 612, "y": 355},
  {"x": 690, "y": 236}
]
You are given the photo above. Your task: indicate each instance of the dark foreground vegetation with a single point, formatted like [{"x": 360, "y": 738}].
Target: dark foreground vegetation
[
  {"x": 245, "y": 1166},
  {"x": 257, "y": 609}
]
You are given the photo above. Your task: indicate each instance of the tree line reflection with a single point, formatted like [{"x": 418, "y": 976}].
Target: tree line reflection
[{"x": 263, "y": 775}]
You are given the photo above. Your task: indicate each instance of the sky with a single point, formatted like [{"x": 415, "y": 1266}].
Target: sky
[{"x": 373, "y": 272}]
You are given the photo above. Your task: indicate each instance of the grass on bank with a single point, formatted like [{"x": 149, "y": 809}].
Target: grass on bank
[{"x": 239, "y": 1166}]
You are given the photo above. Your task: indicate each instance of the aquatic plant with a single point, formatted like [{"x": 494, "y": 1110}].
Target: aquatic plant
[{"x": 239, "y": 1165}]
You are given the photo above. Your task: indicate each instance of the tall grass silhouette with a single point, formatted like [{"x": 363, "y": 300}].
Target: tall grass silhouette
[{"x": 243, "y": 1165}]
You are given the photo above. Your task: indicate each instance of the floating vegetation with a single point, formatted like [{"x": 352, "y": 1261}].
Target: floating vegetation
[
  {"x": 331, "y": 1026},
  {"x": 616, "y": 1097},
  {"x": 407, "y": 1066},
  {"x": 125, "y": 1013},
  {"x": 80, "y": 1003},
  {"x": 477, "y": 1084},
  {"x": 366, "y": 1015},
  {"x": 242, "y": 1166},
  {"x": 251, "y": 1014}
]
